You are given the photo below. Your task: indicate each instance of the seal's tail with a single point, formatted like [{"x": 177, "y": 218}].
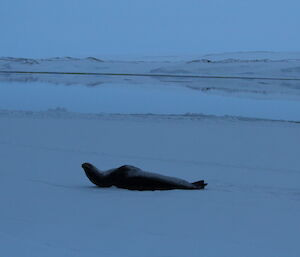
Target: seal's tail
[{"x": 200, "y": 184}]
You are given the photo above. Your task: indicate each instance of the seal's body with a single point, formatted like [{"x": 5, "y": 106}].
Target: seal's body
[{"x": 133, "y": 178}]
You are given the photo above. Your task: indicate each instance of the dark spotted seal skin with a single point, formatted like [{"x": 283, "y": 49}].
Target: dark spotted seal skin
[{"x": 133, "y": 178}]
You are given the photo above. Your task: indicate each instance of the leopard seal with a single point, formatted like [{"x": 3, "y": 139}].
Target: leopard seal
[{"x": 133, "y": 178}]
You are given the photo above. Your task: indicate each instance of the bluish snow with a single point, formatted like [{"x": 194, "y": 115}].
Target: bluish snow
[{"x": 49, "y": 208}]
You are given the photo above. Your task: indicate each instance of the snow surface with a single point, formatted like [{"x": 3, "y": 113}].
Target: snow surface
[
  {"x": 49, "y": 208},
  {"x": 252, "y": 165}
]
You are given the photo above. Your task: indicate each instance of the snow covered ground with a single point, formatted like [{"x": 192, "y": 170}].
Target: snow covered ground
[
  {"x": 252, "y": 166},
  {"x": 49, "y": 208}
]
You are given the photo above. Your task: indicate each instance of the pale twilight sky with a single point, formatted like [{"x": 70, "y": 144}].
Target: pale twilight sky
[{"x": 46, "y": 28}]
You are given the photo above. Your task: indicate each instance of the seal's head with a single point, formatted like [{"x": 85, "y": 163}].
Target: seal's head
[
  {"x": 89, "y": 168},
  {"x": 87, "y": 165},
  {"x": 95, "y": 175}
]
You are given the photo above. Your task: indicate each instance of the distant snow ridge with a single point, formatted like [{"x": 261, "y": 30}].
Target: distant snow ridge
[
  {"x": 70, "y": 59},
  {"x": 232, "y": 60},
  {"x": 19, "y": 60},
  {"x": 254, "y": 55},
  {"x": 42, "y": 62}
]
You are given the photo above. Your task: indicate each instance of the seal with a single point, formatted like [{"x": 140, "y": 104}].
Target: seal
[{"x": 133, "y": 178}]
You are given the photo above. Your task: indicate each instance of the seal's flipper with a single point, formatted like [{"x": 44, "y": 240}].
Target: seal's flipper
[{"x": 200, "y": 184}]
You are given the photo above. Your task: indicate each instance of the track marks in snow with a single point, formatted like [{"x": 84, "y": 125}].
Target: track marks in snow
[{"x": 265, "y": 191}]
